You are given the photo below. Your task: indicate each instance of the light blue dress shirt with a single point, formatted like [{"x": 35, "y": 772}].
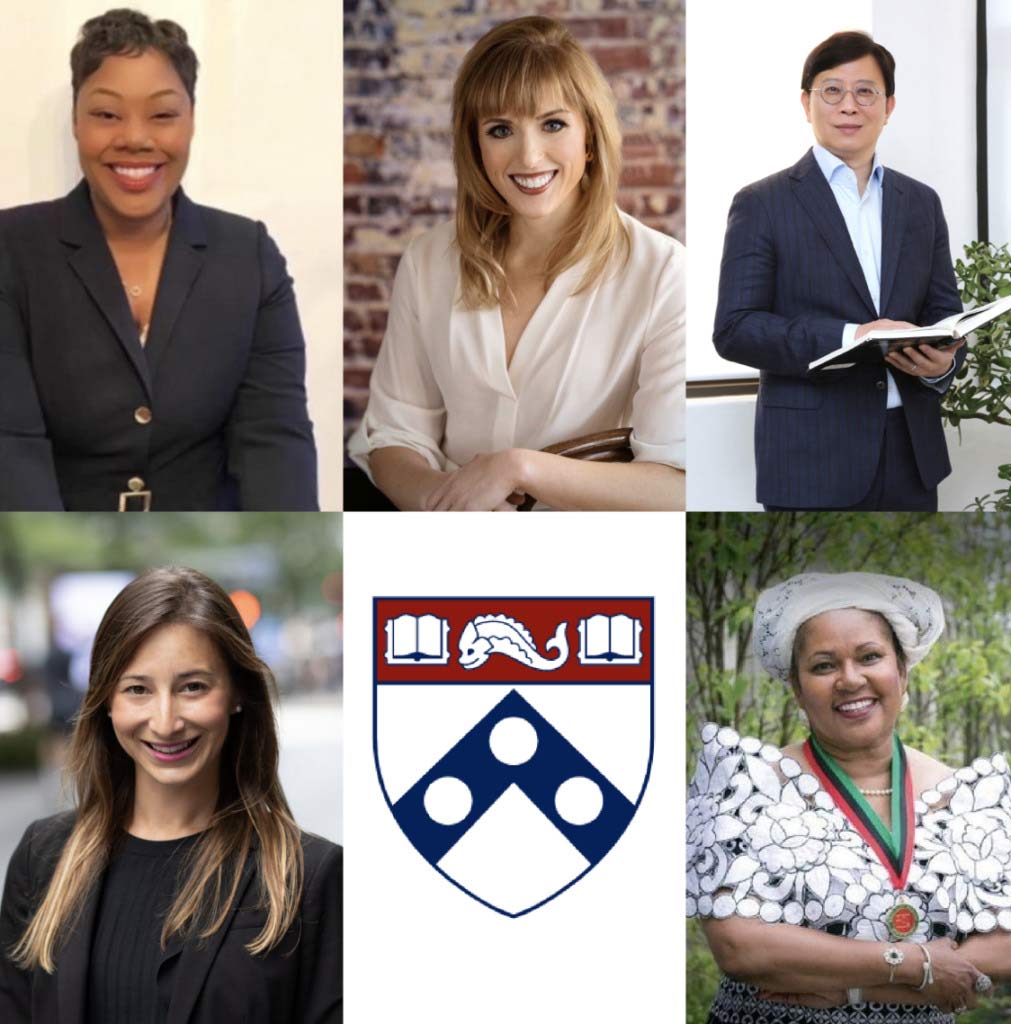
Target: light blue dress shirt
[{"x": 862, "y": 214}]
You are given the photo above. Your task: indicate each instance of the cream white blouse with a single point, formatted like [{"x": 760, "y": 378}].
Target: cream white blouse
[{"x": 612, "y": 356}]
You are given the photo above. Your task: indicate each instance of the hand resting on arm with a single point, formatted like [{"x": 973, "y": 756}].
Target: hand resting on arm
[
  {"x": 486, "y": 482},
  {"x": 785, "y": 959}
]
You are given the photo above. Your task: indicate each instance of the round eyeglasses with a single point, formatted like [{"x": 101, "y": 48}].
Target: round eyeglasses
[{"x": 833, "y": 93}]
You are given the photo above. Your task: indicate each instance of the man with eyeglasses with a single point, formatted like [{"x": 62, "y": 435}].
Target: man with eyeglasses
[{"x": 815, "y": 257}]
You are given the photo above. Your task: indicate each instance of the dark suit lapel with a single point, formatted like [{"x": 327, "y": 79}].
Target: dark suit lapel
[
  {"x": 814, "y": 194},
  {"x": 89, "y": 257},
  {"x": 196, "y": 960},
  {"x": 184, "y": 259},
  {"x": 894, "y": 216},
  {"x": 73, "y": 962}
]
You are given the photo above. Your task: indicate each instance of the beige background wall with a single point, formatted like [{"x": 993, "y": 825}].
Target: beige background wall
[{"x": 267, "y": 144}]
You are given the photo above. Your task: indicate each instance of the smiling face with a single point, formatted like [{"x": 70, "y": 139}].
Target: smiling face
[
  {"x": 536, "y": 163},
  {"x": 849, "y": 130},
  {"x": 133, "y": 122},
  {"x": 171, "y": 708},
  {"x": 849, "y": 679}
]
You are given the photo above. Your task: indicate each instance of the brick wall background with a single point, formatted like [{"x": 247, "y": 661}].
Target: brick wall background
[{"x": 400, "y": 58}]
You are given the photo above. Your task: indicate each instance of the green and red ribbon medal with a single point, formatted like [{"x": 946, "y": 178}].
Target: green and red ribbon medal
[{"x": 892, "y": 846}]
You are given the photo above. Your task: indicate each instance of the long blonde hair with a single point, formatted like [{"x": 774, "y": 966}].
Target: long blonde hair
[
  {"x": 507, "y": 71},
  {"x": 252, "y": 818}
]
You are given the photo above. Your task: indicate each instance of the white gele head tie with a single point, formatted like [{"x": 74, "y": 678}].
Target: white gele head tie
[{"x": 913, "y": 610}]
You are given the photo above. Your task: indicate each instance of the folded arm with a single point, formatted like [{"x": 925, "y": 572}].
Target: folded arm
[
  {"x": 487, "y": 481},
  {"x": 990, "y": 954},
  {"x": 783, "y": 958}
]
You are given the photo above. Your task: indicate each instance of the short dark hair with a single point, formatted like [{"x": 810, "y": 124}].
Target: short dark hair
[
  {"x": 843, "y": 47},
  {"x": 123, "y": 32},
  {"x": 798, "y": 639}
]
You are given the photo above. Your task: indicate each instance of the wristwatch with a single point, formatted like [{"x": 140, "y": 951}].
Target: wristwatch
[{"x": 893, "y": 957}]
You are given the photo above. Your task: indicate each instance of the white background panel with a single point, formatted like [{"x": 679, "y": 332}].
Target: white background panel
[{"x": 609, "y": 949}]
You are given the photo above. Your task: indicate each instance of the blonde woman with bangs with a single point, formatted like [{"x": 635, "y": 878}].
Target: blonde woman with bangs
[
  {"x": 180, "y": 889},
  {"x": 543, "y": 314}
]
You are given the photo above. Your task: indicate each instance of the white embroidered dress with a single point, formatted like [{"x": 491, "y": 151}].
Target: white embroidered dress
[{"x": 766, "y": 840}]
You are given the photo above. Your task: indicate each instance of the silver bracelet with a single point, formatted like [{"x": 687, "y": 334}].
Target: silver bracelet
[
  {"x": 928, "y": 970},
  {"x": 854, "y": 996}
]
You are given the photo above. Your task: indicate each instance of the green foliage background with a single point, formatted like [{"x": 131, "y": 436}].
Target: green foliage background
[
  {"x": 982, "y": 387},
  {"x": 960, "y": 695}
]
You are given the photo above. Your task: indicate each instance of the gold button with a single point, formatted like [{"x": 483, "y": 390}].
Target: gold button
[
  {"x": 135, "y": 483},
  {"x": 142, "y": 414}
]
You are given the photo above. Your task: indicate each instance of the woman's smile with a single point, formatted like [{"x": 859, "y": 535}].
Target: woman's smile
[
  {"x": 136, "y": 177},
  {"x": 535, "y": 184},
  {"x": 857, "y": 709},
  {"x": 171, "y": 751}
]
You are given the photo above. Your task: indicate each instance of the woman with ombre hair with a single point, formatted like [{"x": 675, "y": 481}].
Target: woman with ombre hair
[
  {"x": 180, "y": 887},
  {"x": 543, "y": 314}
]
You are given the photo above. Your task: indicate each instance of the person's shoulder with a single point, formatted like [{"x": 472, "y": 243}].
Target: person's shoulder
[
  {"x": 29, "y": 219},
  {"x": 435, "y": 244},
  {"x": 896, "y": 179},
  {"x": 323, "y": 862},
  {"x": 654, "y": 245},
  {"x": 927, "y": 771},
  {"x": 318, "y": 852},
  {"x": 44, "y": 839},
  {"x": 779, "y": 180},
  {"x": 217, "y": 222}
]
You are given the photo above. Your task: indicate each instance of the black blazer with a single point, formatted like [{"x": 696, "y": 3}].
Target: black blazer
[
  {"x": 298, "y": 982},
  {"x": 790, "y": 280},
  {"x": 210, "y": 414}
]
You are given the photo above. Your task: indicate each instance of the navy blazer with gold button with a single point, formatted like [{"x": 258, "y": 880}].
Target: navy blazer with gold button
[
  {"x": 209, "y": 414},
  {"x": 210, "y": 983}
]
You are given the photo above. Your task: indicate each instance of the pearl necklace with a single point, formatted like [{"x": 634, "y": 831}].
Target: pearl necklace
[{"x": 877, "y": 792}]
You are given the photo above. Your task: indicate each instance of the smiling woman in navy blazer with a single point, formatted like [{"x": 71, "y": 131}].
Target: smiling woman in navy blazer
[
  {"x": 151, "y": 355},
  {"x": 179, "y": 890}
]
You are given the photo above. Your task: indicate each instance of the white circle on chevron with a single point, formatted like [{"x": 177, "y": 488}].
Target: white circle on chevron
[
  {"x": 448, "y": 800},
  {"x": 579, "y": 800},
  {"x": 513, "y": 740}
]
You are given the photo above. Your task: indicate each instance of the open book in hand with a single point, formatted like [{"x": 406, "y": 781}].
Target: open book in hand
[{"x": 875, "y": 345}]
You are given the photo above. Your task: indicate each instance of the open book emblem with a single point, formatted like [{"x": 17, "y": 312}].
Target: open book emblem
[
  {"x": 417, "y": 639},
  {"x": 511, "y": 767},
  {"x": 610, "y": 640}
]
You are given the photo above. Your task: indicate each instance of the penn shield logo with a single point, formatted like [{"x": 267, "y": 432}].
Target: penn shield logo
[{"x": 513, "y": 737}]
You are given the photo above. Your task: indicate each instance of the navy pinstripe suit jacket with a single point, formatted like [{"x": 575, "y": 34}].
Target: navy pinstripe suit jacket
[{"x": 789, "y": 281}]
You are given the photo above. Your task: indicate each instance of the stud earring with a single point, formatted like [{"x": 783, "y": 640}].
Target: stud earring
[{"x": 236, "y": 709}]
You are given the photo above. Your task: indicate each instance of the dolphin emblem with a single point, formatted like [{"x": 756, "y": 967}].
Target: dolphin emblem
[{"x": 486, "y": 635}]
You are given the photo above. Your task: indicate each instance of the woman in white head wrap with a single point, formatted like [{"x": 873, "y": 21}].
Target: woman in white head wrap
[{"x": 836, "y": 875}]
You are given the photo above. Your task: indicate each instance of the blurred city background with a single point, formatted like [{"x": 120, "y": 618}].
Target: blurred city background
[{"x": 59, "y": 572}]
